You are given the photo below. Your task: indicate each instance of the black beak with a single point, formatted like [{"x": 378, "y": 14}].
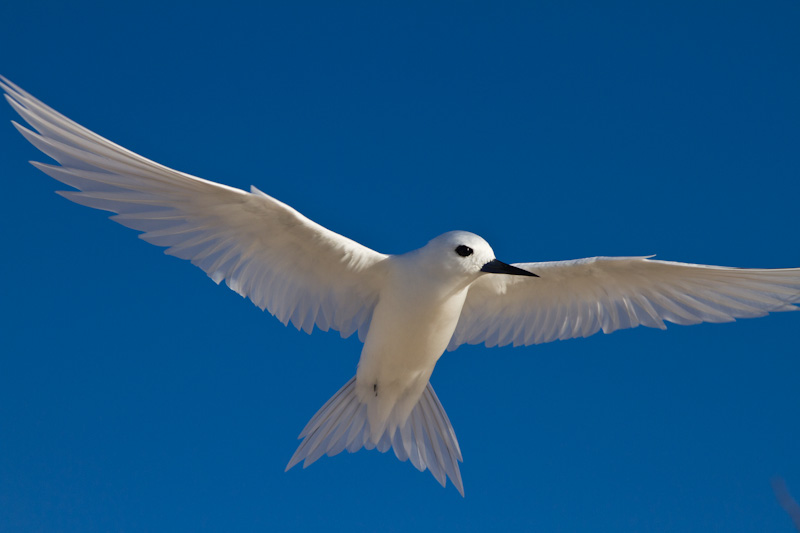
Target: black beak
[{"x": 498, "y": 267}]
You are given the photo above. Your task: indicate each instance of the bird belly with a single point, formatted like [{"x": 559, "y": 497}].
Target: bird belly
[{"x": 399, "y": 354}]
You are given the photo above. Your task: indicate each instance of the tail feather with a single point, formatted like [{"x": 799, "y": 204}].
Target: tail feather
[{"x": 426, "y": 439}]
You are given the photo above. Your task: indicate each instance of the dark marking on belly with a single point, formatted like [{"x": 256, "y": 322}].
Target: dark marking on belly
[{"x": 375, "y": 388}]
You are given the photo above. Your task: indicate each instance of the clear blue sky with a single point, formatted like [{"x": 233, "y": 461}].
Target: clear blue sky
[{"x": 136, "y": 395}]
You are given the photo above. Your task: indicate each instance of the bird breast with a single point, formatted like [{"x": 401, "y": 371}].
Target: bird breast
[{"x": 410, "y": 329}]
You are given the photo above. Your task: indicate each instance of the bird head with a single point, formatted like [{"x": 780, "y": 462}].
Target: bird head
[{"x": 466, "y": 254}]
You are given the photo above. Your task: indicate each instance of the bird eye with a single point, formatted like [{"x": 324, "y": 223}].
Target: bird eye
[{"x": 463, "y": 251}]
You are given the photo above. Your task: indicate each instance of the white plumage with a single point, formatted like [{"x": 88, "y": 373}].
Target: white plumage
[
  {"x": 408, "y": 309},
  {"x": 579, "y": 298}
]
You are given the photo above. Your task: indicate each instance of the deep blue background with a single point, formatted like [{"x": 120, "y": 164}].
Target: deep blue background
[{"x": 135, "y": 395}]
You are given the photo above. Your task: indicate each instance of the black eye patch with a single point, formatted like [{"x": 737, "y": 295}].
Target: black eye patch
[{"x": 463, "y": 251}]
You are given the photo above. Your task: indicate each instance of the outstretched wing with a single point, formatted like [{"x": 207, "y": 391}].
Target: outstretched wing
[
  {"x": 579, "y": 298},
  {"x": 263, "y": 249}
]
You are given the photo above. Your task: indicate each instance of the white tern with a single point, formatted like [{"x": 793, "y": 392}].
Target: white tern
[{"x": 407, "y": 309}]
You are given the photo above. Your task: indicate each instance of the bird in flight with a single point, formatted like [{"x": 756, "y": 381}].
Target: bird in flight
[{"x": 407, "y": 309}]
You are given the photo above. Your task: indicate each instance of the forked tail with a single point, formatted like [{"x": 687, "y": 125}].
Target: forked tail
[{"x": 427, "y": 438}]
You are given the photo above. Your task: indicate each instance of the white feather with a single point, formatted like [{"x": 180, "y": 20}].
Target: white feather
[
  {"x": 579, "y": 298},
  {"x": 264, "y": 250},
  {"x": 426, "y": 437}
]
